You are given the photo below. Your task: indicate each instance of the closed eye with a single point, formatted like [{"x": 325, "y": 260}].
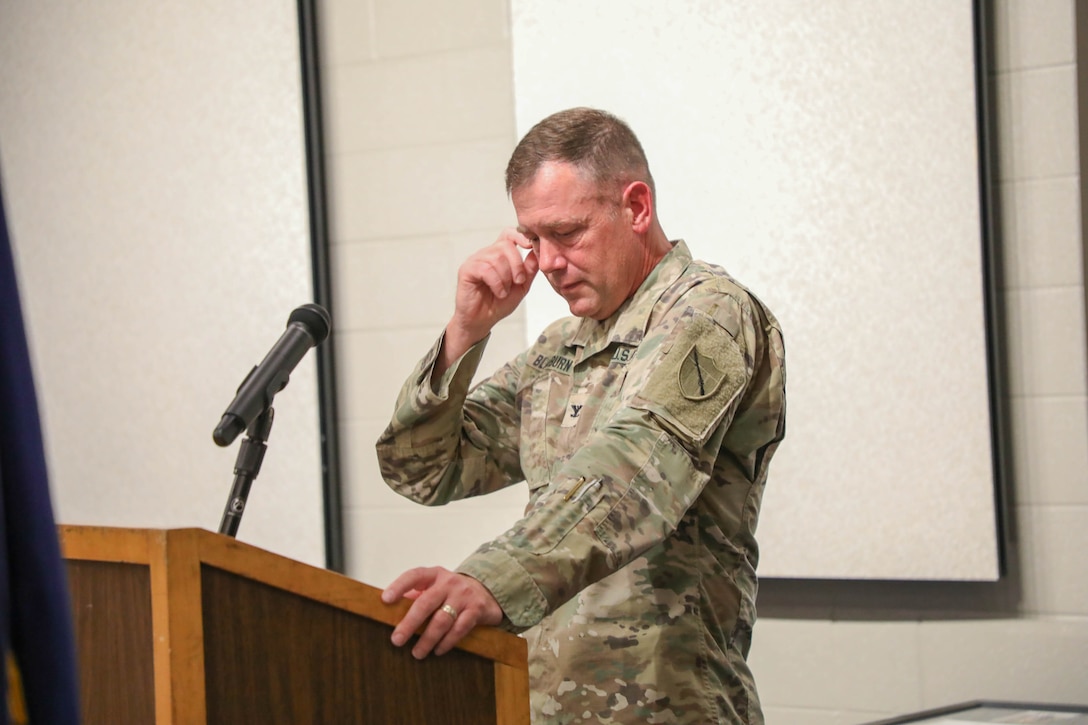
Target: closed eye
[
  {"x": 560, "y": 235},
  {"x": 566, "y": 235}
]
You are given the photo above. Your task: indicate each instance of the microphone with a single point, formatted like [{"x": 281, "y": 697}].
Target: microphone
[{"x": 307, "y": 327}]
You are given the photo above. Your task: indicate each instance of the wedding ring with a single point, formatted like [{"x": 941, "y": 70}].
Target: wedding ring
[{"x": 449, "y": 610}]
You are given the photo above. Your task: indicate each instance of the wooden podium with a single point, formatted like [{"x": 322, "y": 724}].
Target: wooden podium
[{"x": 185, "y": 626}]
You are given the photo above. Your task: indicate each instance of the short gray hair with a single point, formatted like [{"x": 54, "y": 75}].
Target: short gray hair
[{"x": 596, "y": 142}]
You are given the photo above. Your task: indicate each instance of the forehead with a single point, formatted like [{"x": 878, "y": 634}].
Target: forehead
[{"x": 557, "y": 193}]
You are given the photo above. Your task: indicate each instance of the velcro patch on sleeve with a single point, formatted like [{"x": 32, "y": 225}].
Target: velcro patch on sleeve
[{"x": 697, "y": 380}]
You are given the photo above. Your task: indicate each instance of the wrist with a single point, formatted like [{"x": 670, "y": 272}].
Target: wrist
[{"x": 455, "y": 344}]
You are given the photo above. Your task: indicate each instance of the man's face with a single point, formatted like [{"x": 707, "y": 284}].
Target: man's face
[{"x": 582, "y": 238}]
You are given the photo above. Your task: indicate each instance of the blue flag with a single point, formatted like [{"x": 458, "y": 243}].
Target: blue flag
[{"x": 35, "y": 614}]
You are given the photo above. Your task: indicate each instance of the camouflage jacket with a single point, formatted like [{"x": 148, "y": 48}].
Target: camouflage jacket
[{"x": 645, "y": 441}]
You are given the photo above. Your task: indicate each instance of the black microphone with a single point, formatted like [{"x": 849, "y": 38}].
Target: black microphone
[{"x": 307, "y": 326}]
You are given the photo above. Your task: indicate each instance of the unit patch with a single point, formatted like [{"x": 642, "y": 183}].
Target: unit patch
[
  {"x": 698, "y": 376},
  {"x": 691, "y": 389}
]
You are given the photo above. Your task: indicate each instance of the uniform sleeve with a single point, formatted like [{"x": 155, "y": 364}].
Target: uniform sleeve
[
  {"x": 440, "y": 445},
  {"x": 627, "y": 488}
]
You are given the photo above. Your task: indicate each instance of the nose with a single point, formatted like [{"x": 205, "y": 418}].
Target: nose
[{"x": 550, "y": 256}]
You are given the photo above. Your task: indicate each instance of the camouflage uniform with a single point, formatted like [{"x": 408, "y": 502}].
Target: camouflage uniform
[{"x": 645, "y": 441}]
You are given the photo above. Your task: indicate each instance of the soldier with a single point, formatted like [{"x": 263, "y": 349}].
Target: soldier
[{"x": 643, "y": 425}]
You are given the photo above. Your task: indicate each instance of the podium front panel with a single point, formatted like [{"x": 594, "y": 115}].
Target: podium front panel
[
  {"x": 271, "y": 656},
  {"x": 111, "y": 612}
]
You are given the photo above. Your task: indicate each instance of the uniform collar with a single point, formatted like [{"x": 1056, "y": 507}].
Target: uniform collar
[{"x": 627, "y": 325}]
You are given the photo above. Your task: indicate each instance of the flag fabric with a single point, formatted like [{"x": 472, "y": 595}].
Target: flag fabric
[{"x": 35, "y": 613}]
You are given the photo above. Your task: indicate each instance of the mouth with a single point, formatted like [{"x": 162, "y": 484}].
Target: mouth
[{"x": 567, "y": 288}]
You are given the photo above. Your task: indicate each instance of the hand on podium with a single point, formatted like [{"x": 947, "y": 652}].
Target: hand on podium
[{"x": 454, "y": 604}]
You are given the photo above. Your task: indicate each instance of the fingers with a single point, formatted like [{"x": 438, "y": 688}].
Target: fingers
[
  {"x": 517, "y": 238},
  {"x": 409, "y": 584},
  {"x": 430, "y": 595},
  {"x": 532, "y": 263},
  {"x": 446, "y": 609},
  {"x": 445, "y": 629},
  {"x": 479, "y": 608},
  {"x": 500, "y": 266},
  {"x": 490, "y": 285},
  {"x": 509, "y": 254}
]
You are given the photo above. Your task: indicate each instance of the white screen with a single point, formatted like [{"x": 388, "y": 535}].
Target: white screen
[{"x": 826, "y": 155}]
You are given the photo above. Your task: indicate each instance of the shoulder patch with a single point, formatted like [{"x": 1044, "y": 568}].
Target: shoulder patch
[
  {"x": 699, "y": 377},
  {"x": 697, "y": 380}
]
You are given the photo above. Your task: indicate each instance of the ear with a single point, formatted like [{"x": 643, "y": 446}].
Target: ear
[{"x": 638, "y": 204}]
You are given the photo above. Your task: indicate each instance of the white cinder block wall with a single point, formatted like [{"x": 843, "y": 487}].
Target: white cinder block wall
[{"x": 419, "y": 117}]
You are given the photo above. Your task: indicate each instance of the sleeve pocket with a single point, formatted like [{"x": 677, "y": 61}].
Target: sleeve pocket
[{"x": 558, "y": 512}]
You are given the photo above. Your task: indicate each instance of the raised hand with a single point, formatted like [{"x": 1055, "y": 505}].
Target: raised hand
[{"x": 490, "y": 285}]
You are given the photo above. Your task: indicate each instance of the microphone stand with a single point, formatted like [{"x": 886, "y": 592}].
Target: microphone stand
[{"x": 246, "y": 467}]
